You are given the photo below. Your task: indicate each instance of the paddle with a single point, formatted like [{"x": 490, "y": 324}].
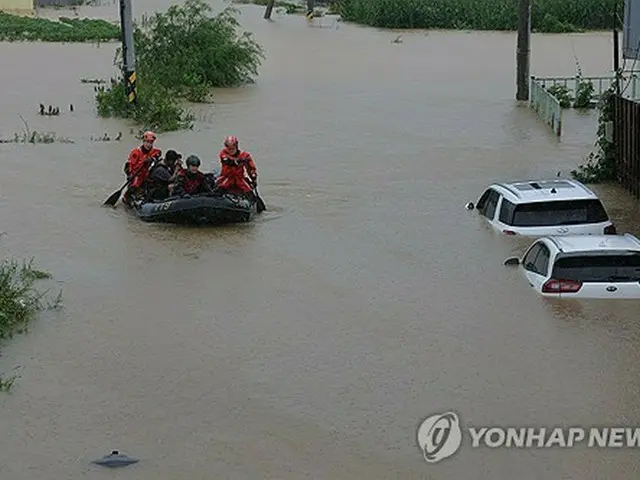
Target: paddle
[
  {"x": 261, "y": 206},
  {"x": 115, "y": 196}
]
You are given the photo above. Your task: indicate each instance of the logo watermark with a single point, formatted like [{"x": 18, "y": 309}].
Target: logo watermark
[{"x": 440, "y": 436}]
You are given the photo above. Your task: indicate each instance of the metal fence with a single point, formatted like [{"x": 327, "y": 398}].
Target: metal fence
[
  {"x": 630, "y": 82},
  {"x": 626, "y": 136},
  {"x": 548, "y": 106}
]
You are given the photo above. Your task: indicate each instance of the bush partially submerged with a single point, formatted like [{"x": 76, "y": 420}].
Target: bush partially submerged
[
  {"x": 546, "y": 15},
  {"x": 18, "y": 28},
  {"x": 180, "y": 55},
  {"x": 19, "y": 301}
]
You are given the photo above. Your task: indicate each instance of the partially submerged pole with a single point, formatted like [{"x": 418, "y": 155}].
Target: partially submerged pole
[
  {"x": 523, "y": 60},
  {"x": 128, "y": 51},
  {"x": 311, "y": 6},
  {"x": 269, "y": 9}
]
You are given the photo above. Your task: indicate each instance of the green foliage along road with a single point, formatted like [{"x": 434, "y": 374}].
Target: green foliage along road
[
  {"x": 547, "y": 15},
  {"x": 15, "y": 28}
]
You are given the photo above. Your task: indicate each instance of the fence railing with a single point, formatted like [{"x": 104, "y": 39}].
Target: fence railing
[
  {"x": 549, "y": 107},
  {"x": 546, "y": 106},
  {"x": 630, "y": 84},
  {"x": 626, "y": 136}
]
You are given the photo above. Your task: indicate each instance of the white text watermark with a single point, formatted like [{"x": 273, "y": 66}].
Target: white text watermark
[{"x": 440, "y": 436}]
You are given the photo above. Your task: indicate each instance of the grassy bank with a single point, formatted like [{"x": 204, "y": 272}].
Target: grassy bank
[
  {"x": 558, "y": 16},
  {"x": 15, "y": 28},
  {"x": 181, "y": 55},
  {"x": 20, "y": 300}
]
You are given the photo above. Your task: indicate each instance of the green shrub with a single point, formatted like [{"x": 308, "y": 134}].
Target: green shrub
[
  {"x": 181, "y": 55},
  {"x": 19, "y": 302}
]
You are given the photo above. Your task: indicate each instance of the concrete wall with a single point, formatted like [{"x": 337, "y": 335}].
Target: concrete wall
[{"x": 17, "y": 6}]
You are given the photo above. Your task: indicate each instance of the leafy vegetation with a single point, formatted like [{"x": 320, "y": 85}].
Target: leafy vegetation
[
  {"x": 15, "y": 28},
  {"x": 601, "y": 165},
  {"x": 19, "y": 302},
  {"x": 181, "y": 55},
  {"x": 562, "y": 93},
  {"x": 557, "y": 16},
  {"x": 584, "y": 91}
]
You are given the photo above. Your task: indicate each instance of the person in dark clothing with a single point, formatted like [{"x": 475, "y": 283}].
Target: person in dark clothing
[
  {"x": 191, "y": 181},
  {"x": 163, "y": 175}
]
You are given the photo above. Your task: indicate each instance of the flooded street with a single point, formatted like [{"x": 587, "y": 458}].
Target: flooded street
[{"x": 311, "y": 343}]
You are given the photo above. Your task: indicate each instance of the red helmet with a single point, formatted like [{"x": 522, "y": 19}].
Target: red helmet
[
  {"x": 149, "y": 137},
  {"x": 231, "y": 140}
]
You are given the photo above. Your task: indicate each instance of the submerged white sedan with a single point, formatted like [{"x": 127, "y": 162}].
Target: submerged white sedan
[{"x": 583, "y": 266}]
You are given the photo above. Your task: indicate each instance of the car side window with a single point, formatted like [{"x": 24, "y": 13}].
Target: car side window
[
  {"x": 506, "y": 211},
  {"x": 541, "y": 262},
  {"x": 492, "y": 202},
  {"x": 529, "y": 260},
  {"x": 482, "y": 201}
]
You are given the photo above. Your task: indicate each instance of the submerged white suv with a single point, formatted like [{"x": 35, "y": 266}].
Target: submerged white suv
[
  {"x": 583, "y": 266},
  {"x": 544, "y": 207}
]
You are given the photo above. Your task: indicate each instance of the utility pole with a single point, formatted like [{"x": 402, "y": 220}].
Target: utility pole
[
  {"x": 311, "y": 5},
  {"x": 616, "y": 47},
  {"x": 523, "y": 51},
  {"x": 128, "y": 51},
  {"x": 269, "y": 9}
]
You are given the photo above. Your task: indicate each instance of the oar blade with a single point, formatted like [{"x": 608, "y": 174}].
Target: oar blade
[
  {"x": 261, "y": 207},
  {"x": 113, "y": 199}
]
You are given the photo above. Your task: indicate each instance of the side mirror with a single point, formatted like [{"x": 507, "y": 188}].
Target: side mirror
[
  {"x": 512, "y": 261},
  {"x": 469, "y": 206}
]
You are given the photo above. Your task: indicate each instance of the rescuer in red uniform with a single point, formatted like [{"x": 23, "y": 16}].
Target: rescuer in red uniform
[{"x": 235, "y": 165}]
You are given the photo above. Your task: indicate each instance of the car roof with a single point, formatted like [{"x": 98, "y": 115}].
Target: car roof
[
  {"x": 531, "y": 191},
  {"x": 591, "y": 243}
]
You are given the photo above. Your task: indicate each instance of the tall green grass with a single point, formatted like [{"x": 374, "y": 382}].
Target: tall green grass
[{"x": 546, "y": 15}]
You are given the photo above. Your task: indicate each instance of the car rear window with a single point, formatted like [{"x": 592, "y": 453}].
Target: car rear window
[
  {"x": 621, "y": 266},
  {"x": 567, "y": 212}
]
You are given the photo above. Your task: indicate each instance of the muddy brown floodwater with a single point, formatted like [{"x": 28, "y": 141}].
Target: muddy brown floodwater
[{"x": 311, "y": 343}]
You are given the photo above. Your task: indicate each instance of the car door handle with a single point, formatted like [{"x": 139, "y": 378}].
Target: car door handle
[{"x": 530, "y": 284}]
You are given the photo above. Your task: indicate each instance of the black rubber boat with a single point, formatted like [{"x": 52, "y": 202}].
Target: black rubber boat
[{"x": 203, "y": 209}]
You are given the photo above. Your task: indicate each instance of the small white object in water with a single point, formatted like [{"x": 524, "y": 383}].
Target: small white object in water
[{"x": 115, "y": 459}]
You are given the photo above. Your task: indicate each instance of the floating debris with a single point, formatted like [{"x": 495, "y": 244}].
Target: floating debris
[
  {"x": 51, "y": 111},
  {"x": 97, "y": 81},
  {"x": 115, "y": 459},
  {"x": 107, "y": 138},
  {"x": 36, "y": 137}
]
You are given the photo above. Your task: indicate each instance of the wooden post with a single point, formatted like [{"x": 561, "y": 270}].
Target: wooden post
[
  {"x": 269, "y": 9},
  {"x": 523, "y": 60}
]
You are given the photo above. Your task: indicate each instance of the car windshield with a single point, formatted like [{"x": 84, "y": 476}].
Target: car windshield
[
  {"x": 571, "y": 212},
  {"x": 594, "y": 267}
]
